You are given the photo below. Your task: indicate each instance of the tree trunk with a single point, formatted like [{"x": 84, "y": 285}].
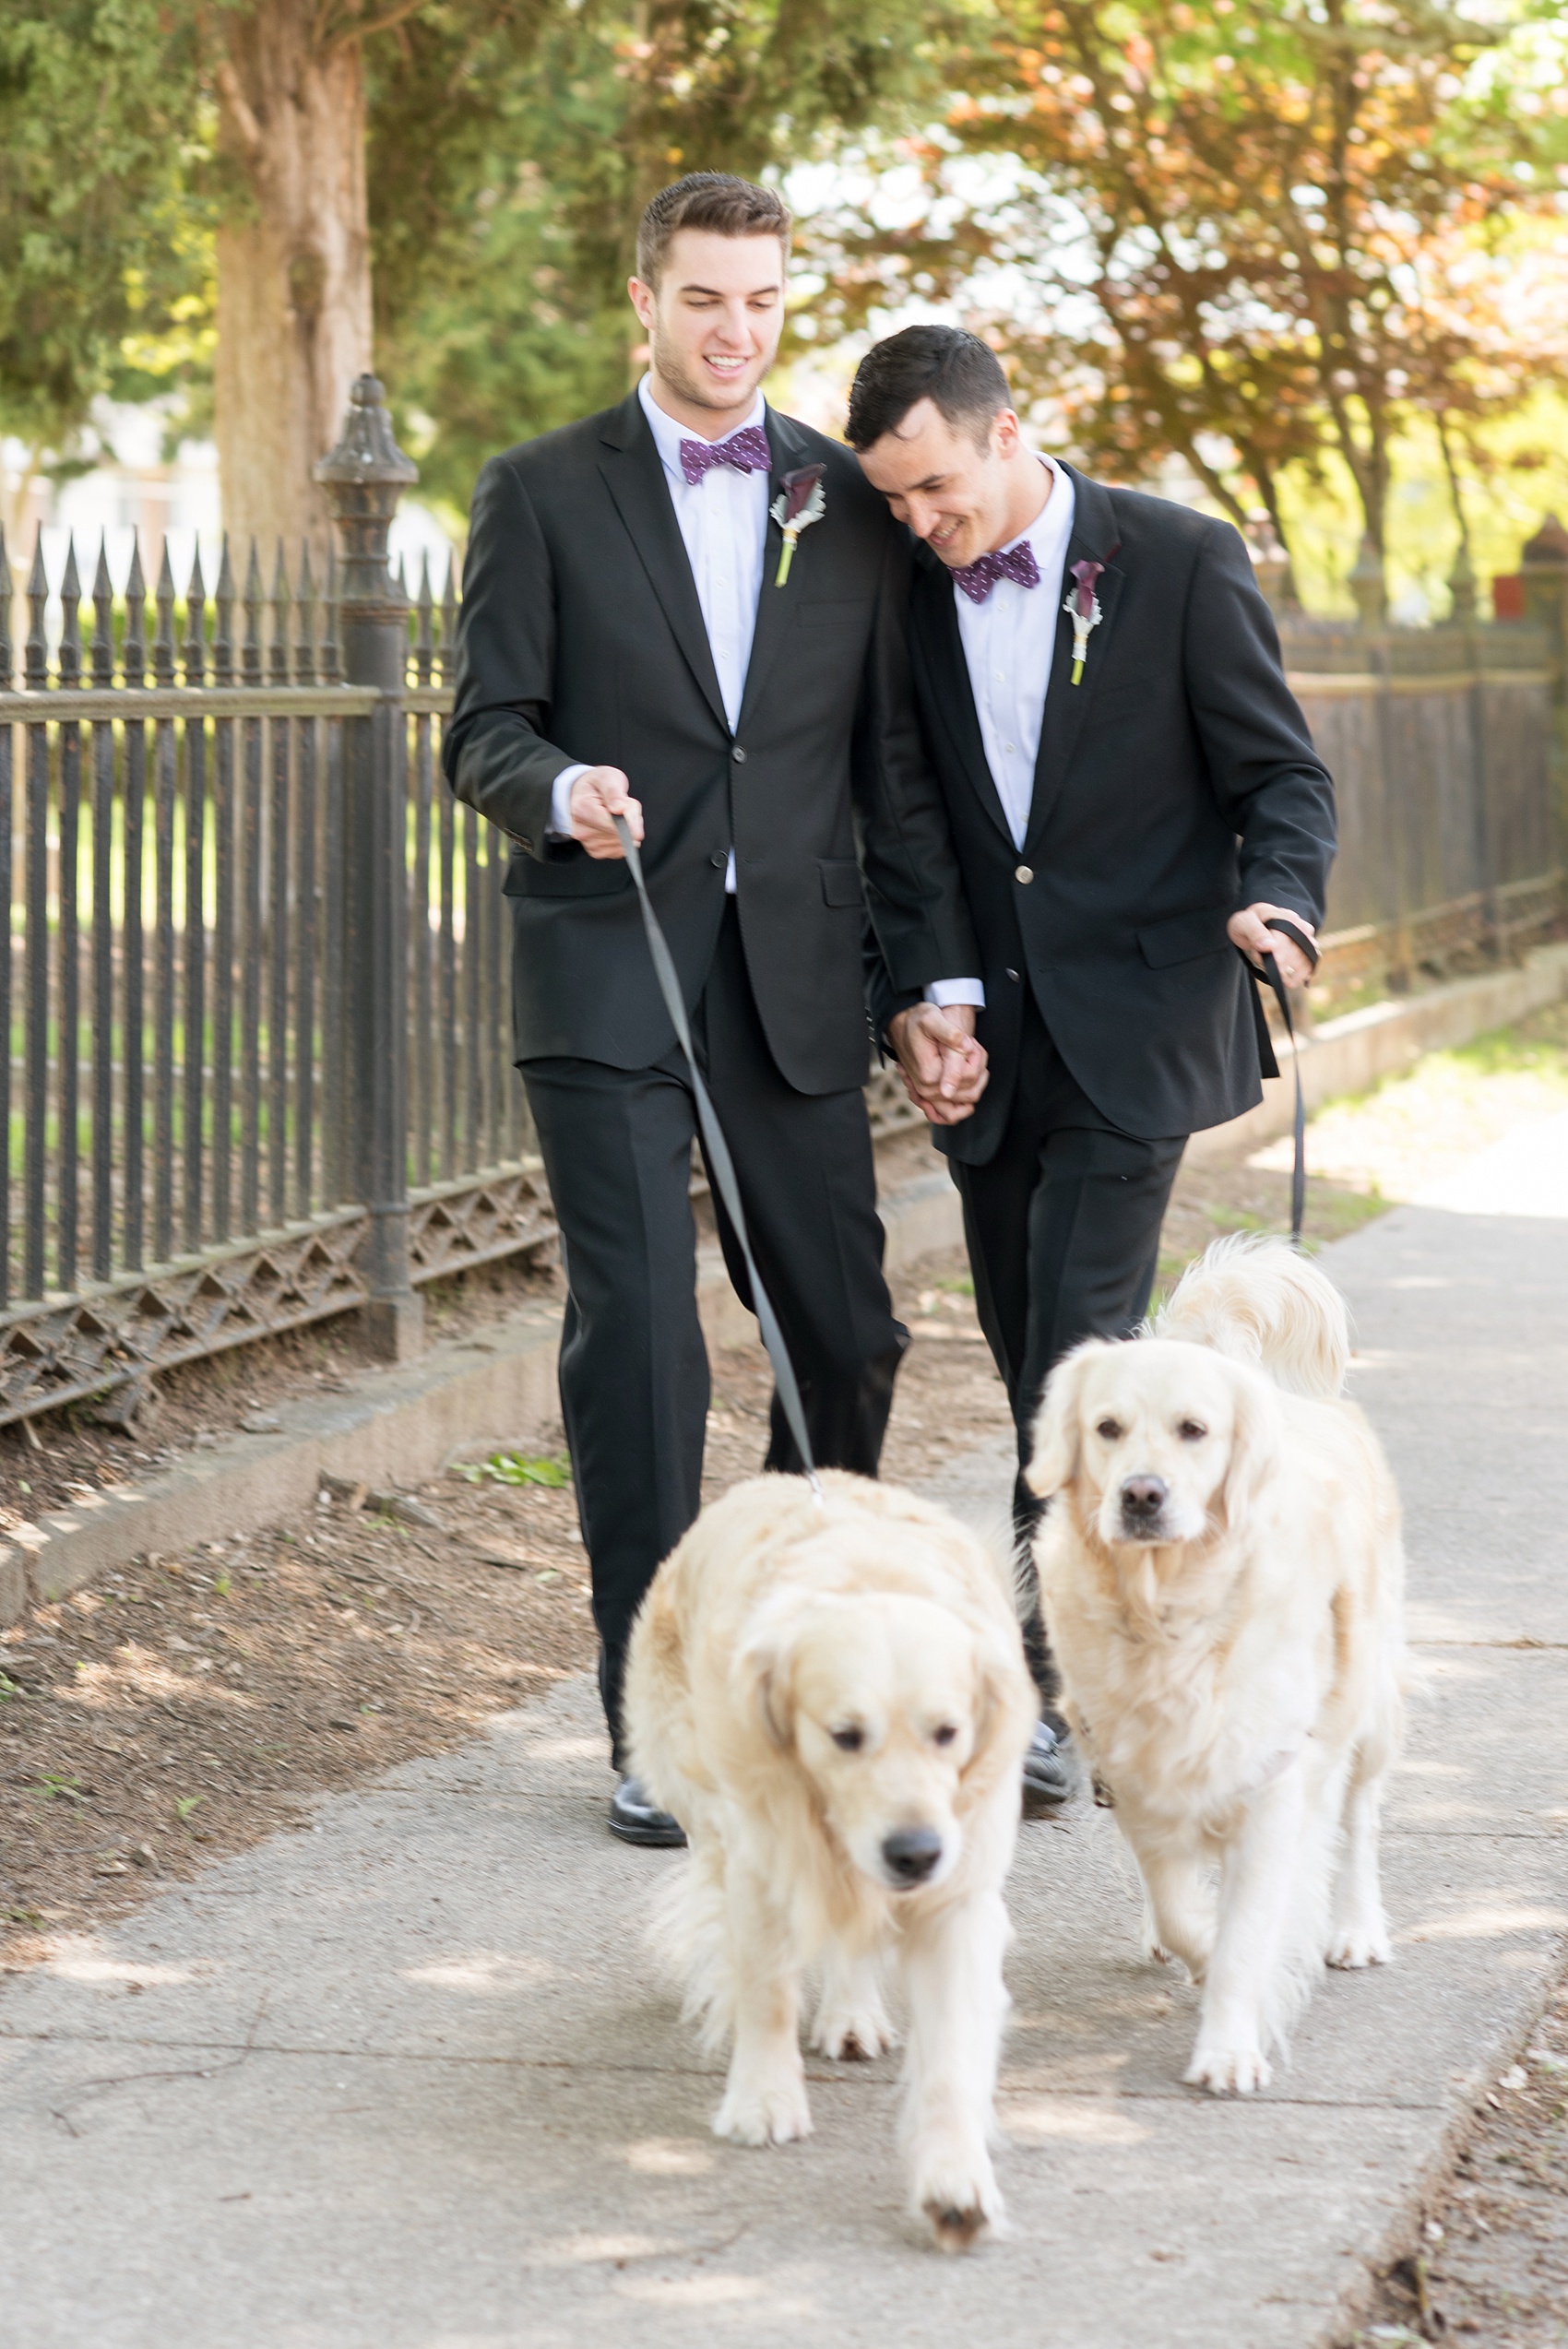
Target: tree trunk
[{"x": 293, "y": 267}]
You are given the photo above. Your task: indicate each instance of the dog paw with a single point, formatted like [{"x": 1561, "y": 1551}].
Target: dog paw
[
  {"x": 856, "y": 2036},
  {"x": 1228, "y": 2072},
  {"x": 763, "y": 2113},
  {"x": 959, "y": 2199},
  {"x": 1353, "y": 1945}
]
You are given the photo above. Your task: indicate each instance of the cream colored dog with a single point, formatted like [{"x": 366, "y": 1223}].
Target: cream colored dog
[
  {"x": 1223, "y": 1582},
  {"x": 831, "y": 1697}
]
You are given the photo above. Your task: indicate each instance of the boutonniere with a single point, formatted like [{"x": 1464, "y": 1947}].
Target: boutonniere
[
  {"x": 1082, "y": 607},
  {"x": 800, "y": 501}
]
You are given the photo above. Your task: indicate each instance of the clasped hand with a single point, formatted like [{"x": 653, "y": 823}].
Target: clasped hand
[
  {"x": 598, "y": 796},
  {"x": 942, "y": 1065}
]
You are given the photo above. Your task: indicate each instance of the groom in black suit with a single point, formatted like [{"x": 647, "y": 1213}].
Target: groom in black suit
[
  {"x": 690, "y": 611},
  {"x": 1133, "y": 795}
]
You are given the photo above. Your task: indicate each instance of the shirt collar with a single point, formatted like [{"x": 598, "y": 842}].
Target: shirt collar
[
  {"x": 668, "y": 434},
  {"x": 1052, "y": 526}
]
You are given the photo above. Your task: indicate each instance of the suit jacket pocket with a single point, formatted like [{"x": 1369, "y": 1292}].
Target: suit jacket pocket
[
  {"x": 840, "y": 881},
  {"x": 567, "y": 874},
  {"x": 1185, "y": 937}
]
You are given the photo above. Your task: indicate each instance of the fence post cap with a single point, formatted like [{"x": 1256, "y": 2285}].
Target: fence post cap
[
  {"x": 366, "y": 451},
  {"x": 1549, "y": 545}
]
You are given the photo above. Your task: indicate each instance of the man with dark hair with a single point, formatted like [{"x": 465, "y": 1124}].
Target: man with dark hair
[
  {"x": 641, "y": 636},
  {"x": 1133, "y": 796}
]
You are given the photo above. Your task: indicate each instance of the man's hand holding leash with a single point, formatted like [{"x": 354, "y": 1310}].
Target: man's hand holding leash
[
  {"x": 1249, "y": 931},
  {"x": 598, "y": 796}
]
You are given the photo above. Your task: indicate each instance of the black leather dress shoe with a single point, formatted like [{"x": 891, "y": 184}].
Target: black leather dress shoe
[
  {"x": 634, "y": 1819},
  {"x": 1047, "y": 1772}
]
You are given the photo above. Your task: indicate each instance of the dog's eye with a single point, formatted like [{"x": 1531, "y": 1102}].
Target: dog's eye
[
  {"x": 849, "y": 1740},
  {"x": 1110, "y": 1430},
  {"x": 1192, "y": 1431},
  {"x": 944, "y": 1736}
]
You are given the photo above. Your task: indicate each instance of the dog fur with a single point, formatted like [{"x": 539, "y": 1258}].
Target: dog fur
[
  {"x": 1222, "y": 1575},
  {"x": 823, "y": 1692}
]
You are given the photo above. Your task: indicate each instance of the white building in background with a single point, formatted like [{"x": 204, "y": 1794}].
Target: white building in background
[{"x": 137, "y": 492}]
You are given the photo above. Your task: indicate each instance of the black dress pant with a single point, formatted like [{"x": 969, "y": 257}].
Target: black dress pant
[
  {"x": 617, "y": 1146},
  {"x": 1063, "y": 1227}
]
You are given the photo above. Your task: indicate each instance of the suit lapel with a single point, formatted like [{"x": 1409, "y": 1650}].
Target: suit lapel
[
  {"x": 776, "y": 606},
  {"x": 634, "y": 477},
  {"x": 1095, "y": 536},
  {"x": 936, "y": 619}
]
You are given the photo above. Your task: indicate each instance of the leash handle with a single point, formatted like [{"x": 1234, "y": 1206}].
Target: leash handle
[
  {"x": 719, "y": 1161},
  {"x": 1297, "y": 937}
]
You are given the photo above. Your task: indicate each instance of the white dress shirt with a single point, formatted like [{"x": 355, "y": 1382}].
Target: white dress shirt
[
  {"x": 723, "y": 521},
  {"x": 1008, "y": 641}
]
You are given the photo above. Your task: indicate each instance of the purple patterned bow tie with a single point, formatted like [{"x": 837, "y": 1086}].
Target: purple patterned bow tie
[
  {"x": 977, "y": 579},
  {"x": 744, "y": 452}
]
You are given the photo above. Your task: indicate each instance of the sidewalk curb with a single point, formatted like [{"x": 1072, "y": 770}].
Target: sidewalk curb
[
  {"x": 398, "y": 1428},
  {"x": 1352, "y": 1054},
  {"x": 401, "y": 1426}
]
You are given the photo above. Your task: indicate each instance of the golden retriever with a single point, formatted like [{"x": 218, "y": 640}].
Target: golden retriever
[
  {"x": 1223, "y": 1581},
  {"x": 830, "y": 1695}
]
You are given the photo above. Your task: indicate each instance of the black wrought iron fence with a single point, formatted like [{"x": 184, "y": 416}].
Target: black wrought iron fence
[{"x": 254, "y": 990}]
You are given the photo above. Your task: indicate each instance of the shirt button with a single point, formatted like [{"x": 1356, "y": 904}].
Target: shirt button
[
  {"x": 739, "y": 755},
  {"x": 718, "y": 860},
  {"x": 1009, "y": 746},
  {"x": 1025, "y": 873}
]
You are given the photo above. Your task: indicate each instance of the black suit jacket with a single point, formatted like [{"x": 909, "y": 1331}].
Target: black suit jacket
[
  {"x": 582, "y": 638},
  {"x": 1174, "y": 784}
]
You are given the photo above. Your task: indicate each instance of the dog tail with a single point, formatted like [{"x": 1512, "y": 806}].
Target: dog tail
[{"x": 1257, "y": 1299}]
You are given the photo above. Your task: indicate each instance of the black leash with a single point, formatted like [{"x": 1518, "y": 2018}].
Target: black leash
[
  {"x": 720, "y": 1162},
  {"x": 1297, "y": 937}
]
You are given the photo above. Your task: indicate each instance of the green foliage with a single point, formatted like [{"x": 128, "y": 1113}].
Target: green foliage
[
  {"x": 101, "y": 215},
  {"x": 516, "y": 1468},
  {"x": 509, "y": 163}
]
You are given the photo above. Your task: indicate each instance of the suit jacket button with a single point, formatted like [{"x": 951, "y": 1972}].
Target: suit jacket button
[
  {"x": 718, "y": 860},
  {"x": 739, "y": 755},
  {"x": 1012, "y": 974},
  {"x": 1024, "y": 873}
]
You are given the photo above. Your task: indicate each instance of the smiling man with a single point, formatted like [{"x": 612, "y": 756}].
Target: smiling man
[
  {"x": 1133, "y": 796},
  {"x": 638, "y": 638}
]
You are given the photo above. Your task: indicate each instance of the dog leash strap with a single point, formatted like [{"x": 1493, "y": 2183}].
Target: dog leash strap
[
  {"x": 1282, "y": 997},
  {"x": 719, "y": 1161}
]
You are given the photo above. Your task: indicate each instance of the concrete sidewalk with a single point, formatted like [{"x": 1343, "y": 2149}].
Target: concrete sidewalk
[{"x": 407, "y": 2080}]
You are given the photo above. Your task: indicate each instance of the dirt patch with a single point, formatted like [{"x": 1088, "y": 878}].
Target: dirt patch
[{"x": 1489, "y": 2258}]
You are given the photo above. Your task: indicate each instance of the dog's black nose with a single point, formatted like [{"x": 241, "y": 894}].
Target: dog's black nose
[
  {"x": 1144, "y": 1496},
  {"x": 911, "y": 1853}
]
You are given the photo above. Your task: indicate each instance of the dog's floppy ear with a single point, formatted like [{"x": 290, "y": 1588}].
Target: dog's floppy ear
[
  {"x": 1053, "y": 1458},
  {"x": 764, "y": 1672},
  {"x": 1004, "y": 1698},
  {"x": 1254, "y": 1443}
]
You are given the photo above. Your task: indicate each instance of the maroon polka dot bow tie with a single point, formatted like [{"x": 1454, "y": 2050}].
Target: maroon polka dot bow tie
[
  {"x": 977, "y": 579},
  {"x": 744, "y": 452}
]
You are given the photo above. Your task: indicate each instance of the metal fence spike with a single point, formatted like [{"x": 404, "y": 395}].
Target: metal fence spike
[
  {"x": 277, "y": 652},
  {"x": 249, "y": 658},
  {"x": 304, "y": 604},
  {"x": 223, "y": 626},
  {"x": 424, "y": 639},
  {"x": 102, "y": 617},
  {"x": 36, "y": 656},
  {"x": 70, "y": 609},
  {"x": 136, "y": 618},
  {"x": 449, "y": 620},
  {"x": 195, "y": 623},
  {"x": 164, "y": 634},
  {"x": 332, "y": 668}
]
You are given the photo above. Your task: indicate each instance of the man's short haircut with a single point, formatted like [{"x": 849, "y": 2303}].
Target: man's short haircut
[
  {"x": 717, "y": 201},
  {"x": 960, "y": 375}
]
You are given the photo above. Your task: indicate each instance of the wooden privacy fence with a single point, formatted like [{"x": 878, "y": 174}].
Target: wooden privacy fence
[
  {"x": 256, "y": 980},
  {"x": 1440, "y": 741}
]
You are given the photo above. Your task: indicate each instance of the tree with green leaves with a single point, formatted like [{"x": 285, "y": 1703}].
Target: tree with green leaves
[{"x": 1249, "y": 232}]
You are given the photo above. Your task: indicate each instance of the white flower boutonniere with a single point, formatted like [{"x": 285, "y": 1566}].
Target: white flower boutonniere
[
  {"x": 1082, "y": 606},
  {"x": 800, "y": 501}
]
